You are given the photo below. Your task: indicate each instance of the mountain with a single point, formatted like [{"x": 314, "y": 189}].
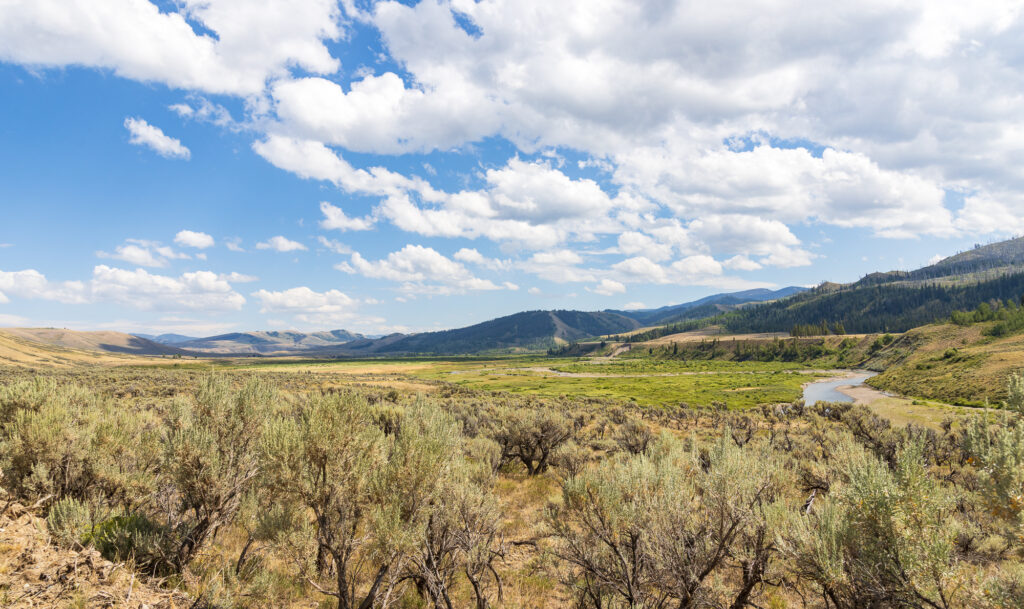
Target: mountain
[
  {"x": 272, "y": 342},
  {"x": 111, "y": 342},
  {"x": 166, "y": 339},
  {"x": 707, "y": 306},
  {"x": 521, "y": 331},
  {"x": 898, "y": 300}
]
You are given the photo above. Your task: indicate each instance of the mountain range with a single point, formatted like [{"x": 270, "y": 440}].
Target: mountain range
[
  {"x": 526, "y": 331},
  {"x": 892, "y": 301}
]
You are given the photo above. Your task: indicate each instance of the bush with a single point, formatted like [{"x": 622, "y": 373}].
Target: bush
[
  {"x": 68, "y": 522},
  {"x": 883, "y": 538}
]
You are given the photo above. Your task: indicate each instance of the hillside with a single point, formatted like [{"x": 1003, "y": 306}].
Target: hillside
[
  {"x": 271, "y": 342},
  {"x": 895, "y": 301},
  {"x": 951, "y": 363},
  {"x": 19, "y": 351},
  {"x": 709, "y": 305},
  {"x": 111, "y": 342},
  {"x": 521, "y": 331}
]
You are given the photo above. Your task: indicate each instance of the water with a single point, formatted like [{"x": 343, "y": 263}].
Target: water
[{"x": 827, "y": 391}]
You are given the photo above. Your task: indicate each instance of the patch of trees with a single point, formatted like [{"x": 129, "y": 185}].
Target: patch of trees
[{"x": 1008, "y": 315}]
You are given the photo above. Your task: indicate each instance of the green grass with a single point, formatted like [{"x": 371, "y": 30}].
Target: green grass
[
  {"x": 652, "y": 366},
  {"x": 736, "y": 389},
  {"x": 647, "y": 382}
]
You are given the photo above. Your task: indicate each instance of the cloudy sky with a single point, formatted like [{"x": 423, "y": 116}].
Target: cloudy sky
[{"x": 201, "y": 166}]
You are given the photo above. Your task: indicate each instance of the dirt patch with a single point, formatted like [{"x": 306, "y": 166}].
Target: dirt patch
[{"x": 35, "y": 573}]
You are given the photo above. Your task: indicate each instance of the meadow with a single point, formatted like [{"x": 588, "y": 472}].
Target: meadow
[{"x": 640, "y": 381}]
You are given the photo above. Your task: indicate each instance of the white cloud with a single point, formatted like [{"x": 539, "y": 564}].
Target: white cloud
[
  {"x": 304, "y": 299},
  {"x": 741, "y": 262},
  {"x": 316, "y": 308},
  {"x": 134, "y": 254},
  {"x": 234, "y": 277},
  {"x": 335, "y": 218},
  {"x": 139, "y": 289},
  {"x": 234, "y": 244},
  {"x": 608, "y": 287},
  {"x": 335, "y": 246},
  {"x": 194, "y": 239},
  {"x": 420, "y": 270},
  {"x": 143, "y": 252},
  {"x": 135, "y": 39},
  {"x": 30, "y": 283},
  {"x": 633, "y": 306},
  {"x": 144, "y": 134},
  {"x": 474, "y": 257},
  {"x": 280, "y": 244}
]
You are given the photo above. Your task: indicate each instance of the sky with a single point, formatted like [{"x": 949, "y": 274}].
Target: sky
[{"x": 209, "y": 166}]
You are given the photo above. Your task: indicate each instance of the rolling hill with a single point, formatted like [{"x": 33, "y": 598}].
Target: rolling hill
[
  {"x": 521, "y": 331},
  {"x": 43, "y": 348},
  {"x": 266, "y": 343},
  {"x": 111, "y": 342}
]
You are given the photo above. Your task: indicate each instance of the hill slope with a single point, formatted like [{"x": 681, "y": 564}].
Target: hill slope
[
  {"x": 111, "y": 342},
  {"x": 19, "y": 351},
  {"x": 709, "y": 305},
  {"x": 273, "y": 342},
  {"x": 527, "y": 330}
]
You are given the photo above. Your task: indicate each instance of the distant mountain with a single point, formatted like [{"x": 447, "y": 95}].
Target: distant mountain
[
  {"x": 523, "y": 331},
  {"x": 272, "y": 342},
  {"x": 166, "y": 339},
  {"x": 707, "y": 306}
]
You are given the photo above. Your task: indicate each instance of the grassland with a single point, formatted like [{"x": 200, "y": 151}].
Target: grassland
[
  {"x": 644, "y": 382},
  {"x": 950, "y": 363}
]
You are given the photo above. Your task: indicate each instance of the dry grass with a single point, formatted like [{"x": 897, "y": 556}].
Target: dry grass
[
  {"x": 36, "y": 573},
  {"x": 19, "y": 349},
  {"x": 952, "y": 364}
]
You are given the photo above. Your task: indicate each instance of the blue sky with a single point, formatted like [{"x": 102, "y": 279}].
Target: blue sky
[{"x": 201, "y": 167}]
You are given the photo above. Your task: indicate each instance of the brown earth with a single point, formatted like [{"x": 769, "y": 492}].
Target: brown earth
[{"x": 35, "y": 573}]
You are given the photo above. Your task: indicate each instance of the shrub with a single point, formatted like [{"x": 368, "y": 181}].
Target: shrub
[
  {"x": 69, "y": 521},
  {"x": 883, "y": 537},
  {"x": 531, "y": 436},
  {"x": 634, "y": 436},
  {"x": 211, "y": 458}
]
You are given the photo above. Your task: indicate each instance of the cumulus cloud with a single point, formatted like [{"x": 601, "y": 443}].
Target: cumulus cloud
[
  {"x": 312, "y": 307},
  {"x": 30, "y": 283},
  {"x": 142, "y": 252},
  {"x": 139, "y": 289},
  {"x": 609, "y": 287},
  {"x": 711, "y": 141},
  {"x": 335, "y": 218},
  {"x": 280, "y": 244},
  {"x": 137, "y": 40},
  {"x": 194, "y": 239},
  {"x": 421, "y": 270},
  {"x": 144, "y": 134}
]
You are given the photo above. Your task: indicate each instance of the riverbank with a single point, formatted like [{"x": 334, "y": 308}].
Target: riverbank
[{"x": 898, "y": 409}]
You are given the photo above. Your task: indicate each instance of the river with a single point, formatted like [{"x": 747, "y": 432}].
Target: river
[{"x": 828, "y": 389}]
